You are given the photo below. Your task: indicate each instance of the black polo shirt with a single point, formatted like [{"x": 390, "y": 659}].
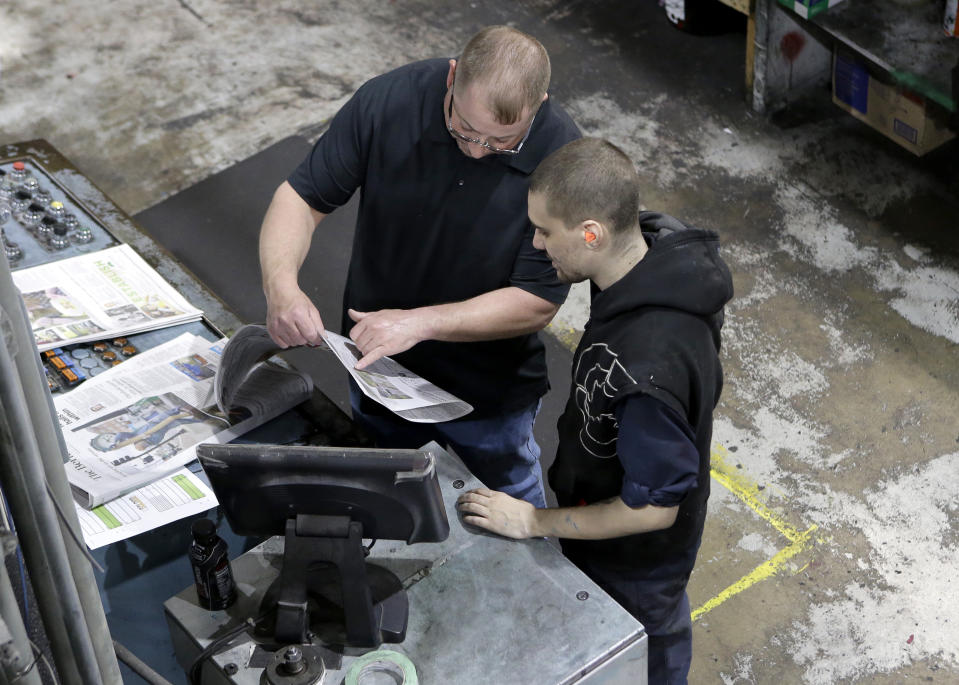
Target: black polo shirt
[{"x": 436, "y": 226}]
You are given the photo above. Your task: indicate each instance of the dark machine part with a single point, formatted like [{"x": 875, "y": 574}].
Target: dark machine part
[
  {"x": 295, "y": 665},
  {"x": 326, "y": 587}
]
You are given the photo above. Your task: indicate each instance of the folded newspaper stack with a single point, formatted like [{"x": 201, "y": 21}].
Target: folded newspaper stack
[{"x": 142, "y": 420}]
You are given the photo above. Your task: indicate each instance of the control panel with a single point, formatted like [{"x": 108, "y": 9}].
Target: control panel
[
  {"x": 40, "y": 221},
  {"x": 43, "y": 221}
]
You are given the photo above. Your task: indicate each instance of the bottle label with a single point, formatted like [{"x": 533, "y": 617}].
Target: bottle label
[
  {"x": 215, "y": 587},
  {"x": 223, "y": 580}
]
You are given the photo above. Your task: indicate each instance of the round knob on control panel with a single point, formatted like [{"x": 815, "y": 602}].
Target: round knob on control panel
[
  {"x": 12, "y": 251},
  {"x": 83, "y": 234},
  {"x": 56, "y": 210},
  {"x": 59, "y": 238}
]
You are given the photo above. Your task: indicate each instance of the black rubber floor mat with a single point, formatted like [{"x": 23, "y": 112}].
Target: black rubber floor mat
[{"x": 213, "y": 227}]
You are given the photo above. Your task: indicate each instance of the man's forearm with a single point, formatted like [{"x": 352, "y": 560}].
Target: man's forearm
[
  {"x": 502, "y": 313},
  {"x": 285, "y": 238},
  {"x": 611, "y": 518}
]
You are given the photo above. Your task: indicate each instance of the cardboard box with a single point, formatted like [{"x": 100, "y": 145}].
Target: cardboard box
[
  {"x": 898, "y": 114},
  {"x": 808, "y": 8}
]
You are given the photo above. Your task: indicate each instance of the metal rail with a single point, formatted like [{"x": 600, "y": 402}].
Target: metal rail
[{"x": 33, "y": 452}]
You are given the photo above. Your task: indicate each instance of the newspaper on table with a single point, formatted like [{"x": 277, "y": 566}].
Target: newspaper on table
[
  {"x": 163, "y": 501},
  {"x": 99, "y": 295},
  {"x": 142, "y": 419},
  {"x": 385, "y": 381}
]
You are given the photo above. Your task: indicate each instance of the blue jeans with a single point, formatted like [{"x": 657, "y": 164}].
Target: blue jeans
[
  {"x": 662, "y": 606},
  {"x": 499, "y": 450}
]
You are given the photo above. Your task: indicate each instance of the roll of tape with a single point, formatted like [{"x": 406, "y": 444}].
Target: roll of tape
[{"x": 382, "y": 660}]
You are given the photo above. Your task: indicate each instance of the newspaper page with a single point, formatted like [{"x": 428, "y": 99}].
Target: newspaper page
[
  {"x": 143, "y": 419},
  {"x": 163, "y": 501},
  {"x": 395, "y": 387},
  {"x": 98, "y": 295}
]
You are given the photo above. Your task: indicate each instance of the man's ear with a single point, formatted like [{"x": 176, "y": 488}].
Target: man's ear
[
  {"x": 451, "y": 73},
  {"x": 594, "y": 234},
  {"x": 545, "y": 97}
]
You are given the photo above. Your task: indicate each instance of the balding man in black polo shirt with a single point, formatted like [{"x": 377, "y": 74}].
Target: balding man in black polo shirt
[{"x": 443, "y": 275}]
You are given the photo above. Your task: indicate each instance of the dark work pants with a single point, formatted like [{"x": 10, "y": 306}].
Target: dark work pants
[
  {"x": 662, "y": 606},
  {"x": 499, "y": 450}
]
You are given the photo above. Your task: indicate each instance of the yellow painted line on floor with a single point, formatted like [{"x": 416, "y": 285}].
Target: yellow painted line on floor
[
  {"x": 760, "y": 573},
  {"x": 748, "y": 492}
]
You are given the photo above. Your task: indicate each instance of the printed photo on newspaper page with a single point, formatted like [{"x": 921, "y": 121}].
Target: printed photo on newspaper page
[
  {"x": 395, "y": 387},
  {"x": 143, "y": 419},
  {"x": 98, "y": 295}
]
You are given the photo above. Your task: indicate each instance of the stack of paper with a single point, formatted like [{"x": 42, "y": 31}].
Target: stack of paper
[{"x": 130, "y": 428}]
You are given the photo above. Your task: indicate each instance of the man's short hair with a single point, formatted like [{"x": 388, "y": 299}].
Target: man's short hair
[
  {"x": 511, "y": 66},
  {"x": 589, "y": 178}
]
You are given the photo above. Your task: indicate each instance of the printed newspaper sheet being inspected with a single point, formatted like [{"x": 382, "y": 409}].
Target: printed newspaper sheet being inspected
[
  {"x": 397, "y": 388},
  {"x": 142, "y": 420},
  {"x": 98, "y": 295}
]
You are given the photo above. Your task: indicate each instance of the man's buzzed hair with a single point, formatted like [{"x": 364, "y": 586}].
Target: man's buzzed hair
[
  {"x": 510, "y": 65},
  {"x": 589, "y": 178}
]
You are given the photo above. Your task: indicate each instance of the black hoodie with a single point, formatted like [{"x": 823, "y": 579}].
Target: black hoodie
[{"x": 656, "y": 332}]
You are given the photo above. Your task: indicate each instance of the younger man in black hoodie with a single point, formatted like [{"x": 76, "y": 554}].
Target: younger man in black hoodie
[{"x": 631, "y": 474}]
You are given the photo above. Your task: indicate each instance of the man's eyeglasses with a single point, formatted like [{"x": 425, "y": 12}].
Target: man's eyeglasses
[{"x": 483, "y": 143}]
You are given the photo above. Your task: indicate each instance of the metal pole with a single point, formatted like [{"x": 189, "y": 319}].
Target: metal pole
[
  {"x": 138, "y": 666},
  {"x": 17, "y": 657},
  {"x": 760, "y": 56},
  {"x": 51, "y": 451},
  {"x": 22, "y": 479}
]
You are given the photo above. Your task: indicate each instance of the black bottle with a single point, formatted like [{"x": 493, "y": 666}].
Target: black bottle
[{"x": 215, "y": 587}]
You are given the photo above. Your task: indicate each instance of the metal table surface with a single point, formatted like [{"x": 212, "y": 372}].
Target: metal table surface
[{"x": 483, "y": 609}]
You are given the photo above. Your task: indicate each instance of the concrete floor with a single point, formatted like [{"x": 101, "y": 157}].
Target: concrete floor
[{"x": 832, "y": 538}]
